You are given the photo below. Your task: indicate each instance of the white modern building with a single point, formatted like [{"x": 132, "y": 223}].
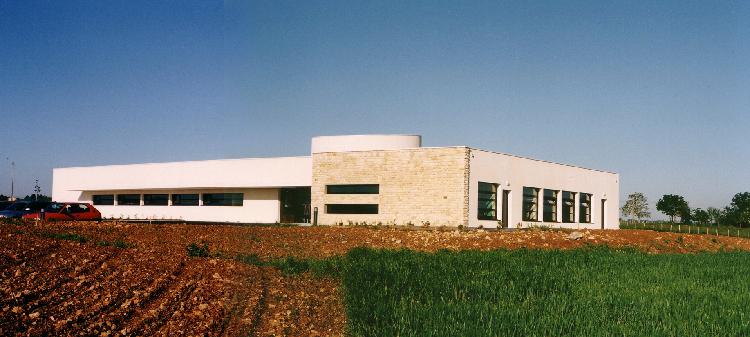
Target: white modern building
[{"x": 360, "y": 179}]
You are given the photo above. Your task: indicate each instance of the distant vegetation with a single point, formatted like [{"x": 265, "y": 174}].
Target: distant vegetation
[
  {"x": 676, "y": 207},
  {"x": 30, "y": 197}
]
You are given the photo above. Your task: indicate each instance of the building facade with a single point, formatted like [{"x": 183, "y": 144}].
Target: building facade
[{"x": 362, "y": 179}]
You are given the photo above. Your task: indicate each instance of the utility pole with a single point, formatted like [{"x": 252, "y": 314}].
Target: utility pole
[
  {"x": 12, "y": 179},
  {"x": 37, "y": 190}
]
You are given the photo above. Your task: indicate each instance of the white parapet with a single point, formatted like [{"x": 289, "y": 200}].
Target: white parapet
[{"x": 364, "y": 143}]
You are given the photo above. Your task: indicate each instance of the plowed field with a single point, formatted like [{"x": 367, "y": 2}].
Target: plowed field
[{"x": 113, "y": 279}]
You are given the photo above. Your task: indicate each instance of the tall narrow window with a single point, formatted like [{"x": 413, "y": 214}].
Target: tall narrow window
[
  {"x": 129, "y": 199},
  {"x": 585, "y": 208},
  {"x": 550, "y": 205},
  {"x": 487, "y": 201},
  {"x": 569, "y": 206},
  {"x": 530, "y": 201}
]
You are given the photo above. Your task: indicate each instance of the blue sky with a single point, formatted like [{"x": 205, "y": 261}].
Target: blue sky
[{"x": 656, "y": 91}]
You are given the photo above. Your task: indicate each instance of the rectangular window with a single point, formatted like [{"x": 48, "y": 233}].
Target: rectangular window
[
  {"x": 569, "y": 206},
  {"x": 184, "y": 199},
  {"x": 104, "y": 199},
  {"x": 530, "y": 201},
  {"x": 352, "y": 208},
  {"x": 353, "y": 189},
  {"x": 129, "y": 199},
  {"x": 585, "y": 208},
  {"x": 550, "y": 206},
  {"x": 156, "y": 199},
  {"x": 222, "y": 199},
  {"x": 487, "y": 201}
]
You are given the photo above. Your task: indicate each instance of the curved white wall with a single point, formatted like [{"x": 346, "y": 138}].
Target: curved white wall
[{"x": 364, "y": 143}]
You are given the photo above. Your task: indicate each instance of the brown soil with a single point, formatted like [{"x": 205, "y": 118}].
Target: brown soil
[{"x": 53, "y": 286}]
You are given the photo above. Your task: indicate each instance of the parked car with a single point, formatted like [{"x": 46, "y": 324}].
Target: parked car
[
  {"x": 67, "y": 211},
  {"x": 21, "y": 208},
  {"x": 5, "y": 204}
]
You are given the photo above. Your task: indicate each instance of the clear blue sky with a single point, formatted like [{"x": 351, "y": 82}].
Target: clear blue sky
[{"x": 657, "y": 91}]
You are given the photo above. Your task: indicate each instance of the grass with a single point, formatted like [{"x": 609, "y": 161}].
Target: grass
[
  {"x": 595, "y": 291},
  {"x": 585, "y": 292},
  {"x": 66, "y": 236}
]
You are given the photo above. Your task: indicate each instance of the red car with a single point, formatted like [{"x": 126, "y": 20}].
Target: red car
[{"x": 67, "y": 211}]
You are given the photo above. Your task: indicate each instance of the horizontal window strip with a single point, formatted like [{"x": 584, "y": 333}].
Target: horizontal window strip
[
  {"x": 352, "y": 208},
  {"x": 353, "y": 189}
]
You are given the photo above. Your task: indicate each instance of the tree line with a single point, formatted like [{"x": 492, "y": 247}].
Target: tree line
[
  {"x": 737, "y": 213},
  {"x": 30, "y": 197}
]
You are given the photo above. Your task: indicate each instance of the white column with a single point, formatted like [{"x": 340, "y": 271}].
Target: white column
[
  {"x": 540, "y": 205},
  {"x": 576, "y": 203},
  {"x": 559, "y": 206}
]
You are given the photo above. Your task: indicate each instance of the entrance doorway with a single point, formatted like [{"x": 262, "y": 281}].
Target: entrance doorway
[
  {"x": 506, "y": 207},
  {"x": 295, "y": 205},
  {"x": 604, "y": 214}
]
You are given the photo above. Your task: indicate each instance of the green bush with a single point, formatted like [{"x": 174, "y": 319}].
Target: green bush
[
  {"x": 194, "y": 250},
  {"x": 66, "y": 236}
]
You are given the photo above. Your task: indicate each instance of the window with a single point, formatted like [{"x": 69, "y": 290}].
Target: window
[
  {"x": 184, "y": 199},
  {"x": 129, "y": 199},
  {"x": 156, "y": 199},
  {"x": 550, "y": 205},
  {"x": 353, "y": 189},
  {"x": 77, "y": 208},
  {"x": 104, "y": 199},
  {"x": 530, "y": 201},
  {"x": 222, "y": 199},
  {"x": 352, "y": 208},
  {"x": 487, "y": 201},
  {"x": 568, "y": 206},
  {"x": 585, "y": 208}
]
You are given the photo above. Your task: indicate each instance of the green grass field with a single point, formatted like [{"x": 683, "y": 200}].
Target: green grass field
[{"x": 586, "y": 292}]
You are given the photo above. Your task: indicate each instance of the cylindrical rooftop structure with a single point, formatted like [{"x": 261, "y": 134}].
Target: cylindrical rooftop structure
[{"x": 364, "y": 143}]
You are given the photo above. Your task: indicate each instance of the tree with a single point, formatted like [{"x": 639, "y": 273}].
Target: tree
[
  {"x": 741, "y": 208},
  {"x": 35, "y": 197},
  {"x": 701, "y": 216},
  {"x": 674, "y": 205},
  {"x": 686, "y": 215},
  {"x": 3, "y": 197},
  {"x": 715, "y": 215},
  {"x": 636, "y": 206}
]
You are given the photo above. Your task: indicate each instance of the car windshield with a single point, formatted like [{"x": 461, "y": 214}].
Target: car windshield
[
  {"x": 54, "y": 207},
  {"x": 19, "y": 206}
]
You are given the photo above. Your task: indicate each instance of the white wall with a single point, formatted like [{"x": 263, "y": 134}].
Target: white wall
[
  {"x": 258, "y": 178},
  {"x": 258, "y": 206},
  {"x": 513, "y": 173},
  {"x": 226, "y": 173}
]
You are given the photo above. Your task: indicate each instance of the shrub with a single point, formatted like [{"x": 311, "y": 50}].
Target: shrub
[
  {"x": 66, "y": 236},
  {"x": 194, "y": 250}
]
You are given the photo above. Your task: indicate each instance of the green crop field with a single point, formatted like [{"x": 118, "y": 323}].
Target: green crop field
[{"x": 585, "y": 292}]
